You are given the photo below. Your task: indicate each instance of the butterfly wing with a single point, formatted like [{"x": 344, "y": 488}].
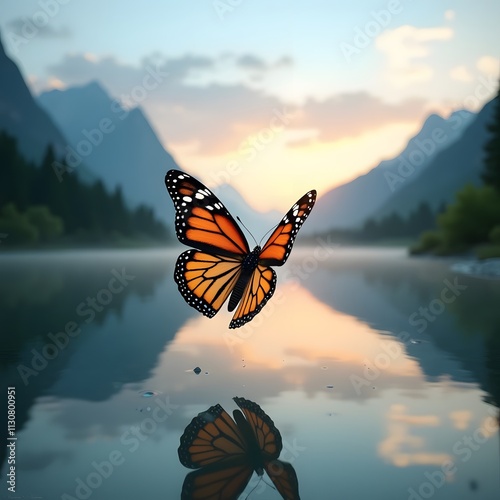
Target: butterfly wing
[
  {"x": 258, "y": 291},
  {"x": 224, "y": 481},
  {"x": 279, "y": 245},
  {"x": 211, "y": 437},
  {"x": 205, "y": 280},
  {"x": 267, "y": 435},
  {"x": 283, "y": 476},
  {"x": 201, "y": 220}
]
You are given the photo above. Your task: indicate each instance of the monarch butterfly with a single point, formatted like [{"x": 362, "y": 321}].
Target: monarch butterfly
[
  {"x": 228, "y": 451},
  {"x": 221, "y": 263}
]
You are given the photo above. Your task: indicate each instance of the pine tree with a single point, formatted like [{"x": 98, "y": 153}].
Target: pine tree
[{"x": 491, "y": 172}]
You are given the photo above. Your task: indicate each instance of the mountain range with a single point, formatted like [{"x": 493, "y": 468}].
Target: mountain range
[
  {"x": 101, "y": 139},
  {"x": 370, "y": 195}
]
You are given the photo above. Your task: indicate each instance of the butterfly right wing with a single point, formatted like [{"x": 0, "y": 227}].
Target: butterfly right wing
[
  {"x": 258, "y": 291},
  {"x": 201, "y": 219},
  {"x": 284, "y": 477},
  {"x": 211, "y": 437},
  {"x": 277, "y": 249},
  {"x": 267, "y": 435}
]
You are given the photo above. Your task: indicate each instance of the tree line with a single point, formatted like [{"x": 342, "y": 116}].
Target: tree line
[
  {"x": 37, "y": 208},
  {"x": 472, "y": 220}
]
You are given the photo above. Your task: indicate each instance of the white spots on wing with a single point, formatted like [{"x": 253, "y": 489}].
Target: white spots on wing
[
  {"x": 188, "y": 199},
  {"x": 209, "y": 207},
  {"x": 199, "y": 196}
]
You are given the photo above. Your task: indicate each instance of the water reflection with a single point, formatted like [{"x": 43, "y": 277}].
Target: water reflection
[
  {"x": 227, "y": 452},
  {"x": 325, "y": 357}
]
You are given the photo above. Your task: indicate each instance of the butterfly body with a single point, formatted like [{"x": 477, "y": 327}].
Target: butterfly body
[
  {"x": 248, "y": 266},
  {"x": 221, "y": 264}
]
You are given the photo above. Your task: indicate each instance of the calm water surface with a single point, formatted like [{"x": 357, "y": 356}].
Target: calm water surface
[{"x": 380, "y": 371}]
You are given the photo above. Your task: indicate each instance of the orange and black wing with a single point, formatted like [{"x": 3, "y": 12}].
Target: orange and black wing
[
  {"x": 279, "y": 245},
  {"x": 268, "y": 437},
  {"x": 211, "y": 437},
  {"x": 283, "y": 476},
  {"x": 201, "y": 220},
  {"x": 224, "y": 481},
  {"x": 258, "y": 291},
  {"x": 205, "y": 280}
]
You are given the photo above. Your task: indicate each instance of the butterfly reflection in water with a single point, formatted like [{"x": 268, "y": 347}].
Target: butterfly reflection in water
[
  {"x": 222, "y": 264},
  {"x": 228, "y": 451}
]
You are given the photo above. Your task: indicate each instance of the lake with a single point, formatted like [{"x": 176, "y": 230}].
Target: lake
[{"x": 381, "y": 372}]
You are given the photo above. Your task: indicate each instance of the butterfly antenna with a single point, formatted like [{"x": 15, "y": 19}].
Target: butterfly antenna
[
  {"x": 261, "y": 478},
  {"x": 249, "y": 232},
  {"x": 252, "y": 490},
  {"x": 272, "y": 229}
]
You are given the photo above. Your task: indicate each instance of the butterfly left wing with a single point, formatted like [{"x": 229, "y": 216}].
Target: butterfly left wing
[
  {"x": 284, "y": 477},
  {"x": 201, "y": 219},
  {"x": 225, "y": 481},
  {"x": 258, "y": 291},
  {"x": 205, "y": 280},
  {"x": 279, "y": 245},
  {"x": 211, "y": 437}
]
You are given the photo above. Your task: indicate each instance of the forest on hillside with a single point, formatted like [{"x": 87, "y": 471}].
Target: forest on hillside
[{"x": 40, "y": 207}]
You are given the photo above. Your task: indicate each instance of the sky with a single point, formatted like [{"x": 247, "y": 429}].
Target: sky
[{"x": 275, "y": 97}]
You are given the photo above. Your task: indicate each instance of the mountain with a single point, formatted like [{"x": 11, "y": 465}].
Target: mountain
[
  {"x": 121, "y": 147},
  {"x": 118, "y": 145},
  {"x": 21, "y": 116},
  {"x": 448, "y": 172},
  {"x": 349, "y": 205}
]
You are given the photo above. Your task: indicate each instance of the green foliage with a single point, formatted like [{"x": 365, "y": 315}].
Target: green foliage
[
  {"x": 428, "y": 241},
  {"x": 488, "y": 252},
  {"x": 56, "y": 203},
  {"x": 16, "y": 227},
  {"x": 49, "y": 226},
  {"x": 470, "y": 219},
  {"x": 495, "y": 235},
  {"x": 395, "y": 226}
]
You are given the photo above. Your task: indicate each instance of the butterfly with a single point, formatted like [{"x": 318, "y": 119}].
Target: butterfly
[
  {"x": 221, "y": 264},
  {"x": 228, "y": 451}
]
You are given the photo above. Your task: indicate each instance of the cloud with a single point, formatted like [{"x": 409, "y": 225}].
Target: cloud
[
  {"x": 400, "y": 447},
  {"x": 489, "y": 65},
  {"x": 218, "y": 118},
  {"x": 349, "y": 115},
  {"x": 449, "y": 15},
  {"x": 78, "y": 68},
  {"x": 215, "y": 117},
  {"x": 254, "y": 63},
  {"x": 22, "y": 25},
  {"x": 250, "y": 61},
  {"x": 461, "y": 74},
  {"x": 461, "y": 419},
  {"x": 404, "y": 48}
]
